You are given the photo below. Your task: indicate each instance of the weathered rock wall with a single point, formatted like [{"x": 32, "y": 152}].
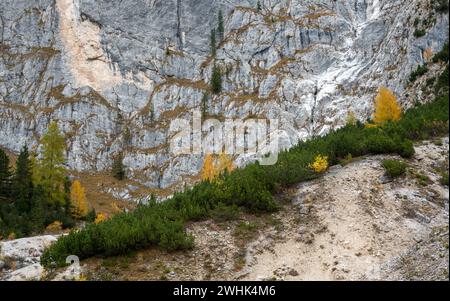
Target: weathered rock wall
[{"x": 99, "y": 67}]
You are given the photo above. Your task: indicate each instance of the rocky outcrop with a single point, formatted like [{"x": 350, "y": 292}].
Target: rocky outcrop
[
  {"x": 101, "y": 67},
  {"x": 21, "y": 257},
  {"x": 26, "y": 250},
  {"x": 28, "y": 273},
  {"x": 20, "y": 261}
]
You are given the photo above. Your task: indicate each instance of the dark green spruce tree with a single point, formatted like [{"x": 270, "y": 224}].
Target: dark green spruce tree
[
  {"x": 216, "y": 80},
  {"x": 5, "y": 176},
  {"x": 213, "y": 42},
  {"x": 221, "y": 27},
  {"x": 22, "y": 183},
  {"x": 118, "y": 169},
  {"x": 65, "y": 212},
  {"x": 204, "y": 104}
]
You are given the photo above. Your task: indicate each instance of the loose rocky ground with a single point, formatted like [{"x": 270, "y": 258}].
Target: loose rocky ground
[{"x": 354, "y": 223}]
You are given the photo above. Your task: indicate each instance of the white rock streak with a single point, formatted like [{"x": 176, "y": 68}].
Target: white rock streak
[{"x": 87, "y": 60}]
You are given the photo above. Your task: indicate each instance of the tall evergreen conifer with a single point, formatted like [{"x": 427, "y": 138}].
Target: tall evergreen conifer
[
  {"x": 5, "y": 176},
  {"x": 22, "y": 184},
  {"x": 221, "y": 27},
  {"x": 51, "y": 166}
]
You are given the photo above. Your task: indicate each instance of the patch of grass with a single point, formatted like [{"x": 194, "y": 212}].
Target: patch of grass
[
  {"x": 239, "y": 260},
  {"x": 444, "y": 178},
  {"x": 347, "y": 160},
  {"x": 109, "y": 262},
  {"x": 246, "y": 230},
  {"x": 394, "y": 168},
  {"x": 124, "y": 263},
  {"x": 437, "y": 142},
  {"x": 274, "y": 222},
  {"x": 422, "y": 180}
]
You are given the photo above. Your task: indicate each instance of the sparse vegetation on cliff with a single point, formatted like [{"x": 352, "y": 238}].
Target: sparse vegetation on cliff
[
  {"x": 118, "y": 168},
  {"x": 216, "y": 80}
]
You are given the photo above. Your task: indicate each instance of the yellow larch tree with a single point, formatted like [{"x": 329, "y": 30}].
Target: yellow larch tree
[
  {"x": 208, "y": 170},
  {"x": 100, "y": 218},
  {"x": 225, "y": 163},
  {"x": 386, "y": 107},
  {"x": 56, "y": 226},
  {"x": 78, "y": 199},
  {"x": 212, "y": 167}
]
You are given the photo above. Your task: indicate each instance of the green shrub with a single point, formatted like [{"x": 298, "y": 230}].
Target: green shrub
[
  {"x": 444, "y": 179},
  {"x": 90, "y": 217},
  {"x": 422, "y": 179},
  {"x": 118, "y": 168},
  {"x": 146, "y": 226},
  {"x": 441, "y": 56},
  {"x": 441, "y": 6},
  {"x": 246, "y": 230},
  {"x": 379, "y": 143},
  {"x": 421, "y": 70},
  {"x": 442, "y": 82},
  {"x": 224, "y": 213},
  {"x": 406, "y": 149},
  {"x": 430, "y": 82},
  {"x": 394, "y": 168},
  {"x": 216, "y": 80},
  {"x": 419, "y": 33}
]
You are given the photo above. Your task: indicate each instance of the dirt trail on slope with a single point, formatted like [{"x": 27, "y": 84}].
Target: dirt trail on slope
[{"x": 354, "y": 224}]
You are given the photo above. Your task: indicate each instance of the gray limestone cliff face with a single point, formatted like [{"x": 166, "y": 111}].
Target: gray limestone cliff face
[{"x": 102, "y": 68}]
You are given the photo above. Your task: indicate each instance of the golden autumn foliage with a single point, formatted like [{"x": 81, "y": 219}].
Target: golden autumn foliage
[
  {"x": 320, "y": 164},
  {"x": 386, "y": 107},
  {"x": 225, "y": 163},
  {"x": 208, "y": 171},
  {"x": 54, "y": 227},
  {"x": 81, "y": 278},
  {"x": 116, "y": 208},
  {"x": 78, "y": 199},
  {"x": 12, "y": 236},
  {"x": 212, "y": 168},
  {"x": 101, "y": 217}
]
